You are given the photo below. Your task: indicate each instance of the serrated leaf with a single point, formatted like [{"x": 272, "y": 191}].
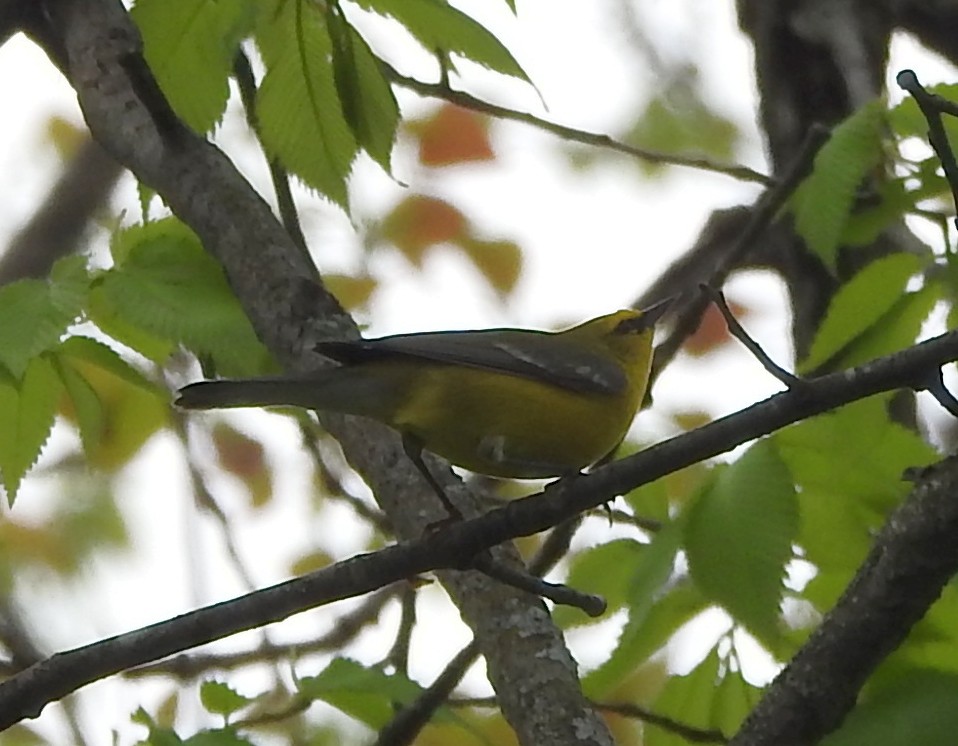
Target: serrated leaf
[
  {"x": 368, "y": 102},
  {"x": 169, "y": 287},
  {"x": 34, "y": 314},
  {"x": 440, "y": 27},
  {"x": 27, "y": 411},
  {"x": 367, "y": 694},
  {"x": 896, "y": 330},
  {"x": 848, "y": 466},
  {"x": 859, "y": 304},
  {"x": 739, "y": 538},
  {"x": 300, "y": 115},
  {"x": 221, "y": 699},
  {"x": 190, "y": 46},
  {"x": 824, "y": 200}
]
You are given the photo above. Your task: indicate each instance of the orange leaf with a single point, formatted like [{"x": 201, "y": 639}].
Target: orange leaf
[
  {"x": 453, "y": 135},
  {"x": 419, "y": 222},
  {"x": 713, "y": 331},
  {"x": 242, "y": 456}
]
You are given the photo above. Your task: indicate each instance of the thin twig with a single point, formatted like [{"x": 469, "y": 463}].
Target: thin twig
[
  {"x": 765, "y": 210},
  {"x": 932, "y": 107},
  {"x": 590, "y": 603},
  {"x": 246, "y": 82},
  {"x": 688, "y": 732},
  {"x": 447, "y": 93},
  {"x": 735, "y": 328}
]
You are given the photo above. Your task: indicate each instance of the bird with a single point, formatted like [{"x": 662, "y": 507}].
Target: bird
[{"x": 511, "y": 403}]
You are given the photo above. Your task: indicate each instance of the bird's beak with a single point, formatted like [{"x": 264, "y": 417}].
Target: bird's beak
[{"x": 649, "y": 316}]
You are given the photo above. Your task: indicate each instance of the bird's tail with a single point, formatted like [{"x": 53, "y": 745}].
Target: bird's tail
[
  {"x": 346, "y": 390},
  {"x": 253, "y": 392}
]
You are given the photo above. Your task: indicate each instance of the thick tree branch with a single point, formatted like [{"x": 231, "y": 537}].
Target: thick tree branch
[{"x": 912, "y": 559}]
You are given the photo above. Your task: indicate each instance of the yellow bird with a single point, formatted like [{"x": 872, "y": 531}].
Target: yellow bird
[{"x": 513, "y": 403}]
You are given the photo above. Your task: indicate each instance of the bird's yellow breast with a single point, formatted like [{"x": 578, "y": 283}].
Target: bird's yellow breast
[{"x": 510, "y": 426}]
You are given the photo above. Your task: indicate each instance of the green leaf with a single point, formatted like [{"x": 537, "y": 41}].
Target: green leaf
[
  {"x": 848, "y": 466},
  {"x": 221, "y": 699},
  {"x": 190, "y": 46},
  {"x": 301, "y": 120},
  {"x": 896, "y": 330},
  {"x": 654, "y": 567},
  {"x": 859, "y": 304},
  {"x": 439, "y": 27},
  {"x": 170, "y": 288},
  {"x": 739, "y": 538},
  {"x": 824, "y": 200},
  {"x": 915, "y": 709},
  {"x": 368, "y": 101},
  {"x": 707, "y": 698},
  {"x": 34, "y": 314},
  {"x": 27, "y": 411},
  {"x": 607, "y": 570},
  {"x": 367, "y": 694}
]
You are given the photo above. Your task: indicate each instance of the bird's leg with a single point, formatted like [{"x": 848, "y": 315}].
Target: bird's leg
[{"x": 413, "y": 448}]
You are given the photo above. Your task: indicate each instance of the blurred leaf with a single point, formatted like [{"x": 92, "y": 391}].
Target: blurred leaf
[
  {"x": 499, "y": 261},
  {"x": 859, "y": 304},
  {"x": 168, "y": 286},
  {"x": 27, "y": 411},
  {"x": 739, "y": 538},
  {"x": 652, "y": 570},
  {"x": 351, "y": 291},
  {"x": 34, "y": 314},
  {"x": 418, "y": 222},
  {"x": 116, "y": 408},
  {"x": 367, "y": 694},
  {"x": 439, "y": 27},
  {"x": 310, "y": 562},
  {"x": 823, "y": 202},
  {"x": 243, "y": 457},
  {"x": 706, "y": 698},
  {"x": 607, "y": 570},
  {"x": 906, "y": 118},
  {"x": 221, "y": 699},
  {"x": 915, "y": 709},
  {"x": 452, "y": 135},
  {"x": 681, "y": 122},
  {"x": 368, "y": 102},
  {"x": 190, "y": 46},
  {"x": 713, "y": 330},
  {"x": 300, "y": 114}
]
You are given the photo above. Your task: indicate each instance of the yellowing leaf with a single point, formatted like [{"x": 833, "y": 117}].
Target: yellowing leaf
[
  {"x": 499, "y": 261},
  {"x": 419, "y": 222}
]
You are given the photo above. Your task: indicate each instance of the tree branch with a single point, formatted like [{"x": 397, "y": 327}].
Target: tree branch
[{"x": 25, "y": 694}]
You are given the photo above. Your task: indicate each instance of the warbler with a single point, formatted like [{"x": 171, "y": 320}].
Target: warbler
[{"x": 516, "y": 403}]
